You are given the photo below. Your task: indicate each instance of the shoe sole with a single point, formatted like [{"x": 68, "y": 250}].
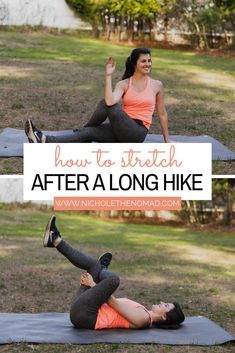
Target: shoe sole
[
  {"x": 46, "y": 237},
  {"x": 111, "y": 256}
]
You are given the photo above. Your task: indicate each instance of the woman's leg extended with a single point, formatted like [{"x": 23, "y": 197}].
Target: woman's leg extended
[
  {"x": 84, "y": 309},
  {"x": 93, "y": 130},
  {"x": 80, "y": 260},
  {"x": 102, "y": 133},
  {"x": 121, "y": 128}
]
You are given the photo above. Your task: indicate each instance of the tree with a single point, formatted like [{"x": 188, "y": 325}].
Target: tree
[
  {"x": 191, "y": 10},
  {"x": 126, "y": 12},
  {"x": 89, "y": 10},
  {"x": 227, "y": 10},
  {"x": 134, "y": 12},
  {"x": 224, "y": 194},
  {"x": 204, "y": 19},
  {"x": 209, "y": 20},
  {"x": 218, "y": 210},
  {"x": 230, "y": 201},
  {"x": 168, "y": 9}
]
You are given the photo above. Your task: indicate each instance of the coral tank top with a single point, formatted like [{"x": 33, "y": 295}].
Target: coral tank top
[
  {"x": 140, "y": 105},
  {"x": 109, "y": 318}
]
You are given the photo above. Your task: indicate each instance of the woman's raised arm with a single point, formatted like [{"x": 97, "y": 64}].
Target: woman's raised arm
[{"x": 112, "y": 97}]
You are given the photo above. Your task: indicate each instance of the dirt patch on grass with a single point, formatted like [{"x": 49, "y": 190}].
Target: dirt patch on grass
[{"x": 55, "y": 95}]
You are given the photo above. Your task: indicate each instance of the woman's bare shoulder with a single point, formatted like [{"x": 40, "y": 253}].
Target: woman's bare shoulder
[
  {"x": 123, "y": 83},
  {"x": 157, "y": 85}
]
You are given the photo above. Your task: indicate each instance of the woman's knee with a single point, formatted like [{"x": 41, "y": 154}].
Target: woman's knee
[
  {"x": 82, "y": 319},
  {"x": 114, "y": 109},
  {"x": 101, "y": 104},
  {"x": 114, "y": 281}
]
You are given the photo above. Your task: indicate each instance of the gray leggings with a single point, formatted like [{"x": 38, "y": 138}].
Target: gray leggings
[
  {"x": 120, "y": 128},
  {"x": 87, "y": 301}
]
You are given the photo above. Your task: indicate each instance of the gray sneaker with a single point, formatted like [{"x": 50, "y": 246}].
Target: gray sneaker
[
  {"x": 34, "y": 135},
  {"x": 105, "y": 259},
  {"x": 51, "y": 233}
]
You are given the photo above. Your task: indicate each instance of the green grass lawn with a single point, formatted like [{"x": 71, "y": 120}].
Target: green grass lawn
[
  {"x": 57, "y": 81},
  {"x": 193, "y": 267}
]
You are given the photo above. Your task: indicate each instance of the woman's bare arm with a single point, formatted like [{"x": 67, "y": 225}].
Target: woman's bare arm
[
  {"x": 112, "y": 97},
  {"x": 162, "y": 113},
  {"x": 137, "y": 317}
]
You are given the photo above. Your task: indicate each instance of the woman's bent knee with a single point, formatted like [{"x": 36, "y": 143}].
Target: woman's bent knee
[
  {"x": 114, "y": 281},
  {"x": 81, "y": 318},
  {"x": 102, "y": 104}
]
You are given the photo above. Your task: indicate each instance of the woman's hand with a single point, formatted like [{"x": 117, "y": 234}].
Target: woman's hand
[
  {"x": 168, "y": 140},
  {"x": 87, "y": 280},
  {"x": 110, "y": 66}
]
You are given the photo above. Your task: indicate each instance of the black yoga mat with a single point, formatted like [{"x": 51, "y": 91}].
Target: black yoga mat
[
  {"x": 11, "y": 143},
  {"x": 56, "y": 328}
]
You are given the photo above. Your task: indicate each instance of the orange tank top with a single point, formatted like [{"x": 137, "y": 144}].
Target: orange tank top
[
  {"x": 140, "y": 105},
  {"x": 109, "y": 318}
]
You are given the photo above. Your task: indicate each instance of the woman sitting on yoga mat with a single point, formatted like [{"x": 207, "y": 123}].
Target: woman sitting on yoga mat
[
  {"x": 140, "y": 95},
  {"x": 94, "y": 306}
]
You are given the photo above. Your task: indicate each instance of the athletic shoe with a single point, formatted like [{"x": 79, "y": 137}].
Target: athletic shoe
[
  {"x": 105, "y": 259},
  {"x": 51, "y": 233},
  {"x": 34, "y": 135}
]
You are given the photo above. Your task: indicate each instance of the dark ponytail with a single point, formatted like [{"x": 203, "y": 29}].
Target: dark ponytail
[{"x": 132, "y": 60}]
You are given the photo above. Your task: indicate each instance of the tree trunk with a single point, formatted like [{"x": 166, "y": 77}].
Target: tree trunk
[
  {"x": 141, "y": 29},
  {"x": 129, "y": 30},
  {"x": 107, "y": 25},
  {"x": 154, "y": 26},
  {"x": 150, "y": 28},
  {"x": 191, "y": 217},
  {"x": 200, "y": 36},
  {"x": 228, "y": 215},
  {"x": 117, "y": 28},
  {"x": 195, "y": 212},
  {"x": 201, "y": 215},
  {"x": 226, "y": 39},
  {"x": 208, "y": 42},
  {"x": 166, "y": 23},
  {"x": 197, "y": 28},
  {"x": 95, "y": 29}
]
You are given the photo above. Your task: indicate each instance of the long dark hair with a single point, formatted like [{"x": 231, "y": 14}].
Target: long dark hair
[
  {"x": 132, "y": 60},
  {"x": 173, "y": 320}
]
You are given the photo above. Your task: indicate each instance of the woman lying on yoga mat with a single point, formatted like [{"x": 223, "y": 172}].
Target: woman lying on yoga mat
[
  {"x": 94, "y": 306},
  {"x": 140, "y": 95}
]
